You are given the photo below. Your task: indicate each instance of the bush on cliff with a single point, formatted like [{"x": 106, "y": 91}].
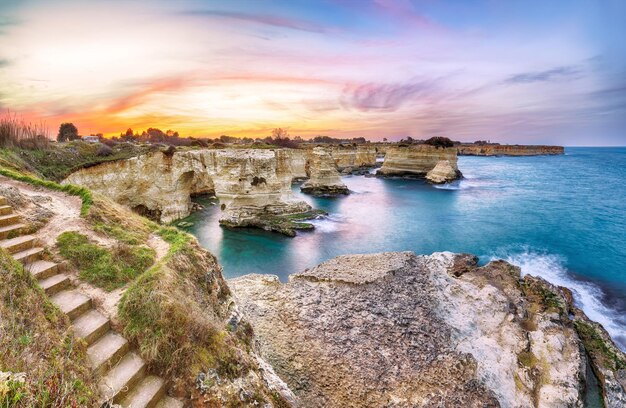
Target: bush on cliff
[
  {"x": 439, "y": 141},
  {"x": 41, "y": 364}
]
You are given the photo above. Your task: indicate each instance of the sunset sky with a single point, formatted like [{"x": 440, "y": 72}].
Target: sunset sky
[{"x": 509, "y": 71}]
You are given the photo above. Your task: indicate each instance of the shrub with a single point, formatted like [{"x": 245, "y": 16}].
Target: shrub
[
  {"x": 439, "y": 141},
  {"x": 104, "y": 151}
]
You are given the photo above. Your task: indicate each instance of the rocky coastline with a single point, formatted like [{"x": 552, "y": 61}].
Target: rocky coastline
[
  {"x": 398, "y": 330},
  {"x": 467, "y": 149}
]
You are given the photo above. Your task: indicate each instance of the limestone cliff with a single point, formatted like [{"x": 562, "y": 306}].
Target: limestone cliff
[
  {"x": 324, "y": 179},
  {"x": 443, "y": 172},
  {"x": 353, "y": 157},
  {"x": 508, "y": 150},
  {"x": 400, "y": 330},
  {"x": 253, "y": 185},
  {"x": 416, "y": 160}
]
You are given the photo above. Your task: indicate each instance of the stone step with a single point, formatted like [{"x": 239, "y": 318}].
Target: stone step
[
  {"x": 55, "y": 283},
  {"x": 146, "y": 394},
  {"x": 107, "y": 351},
  {"x": 42, "y": 269},
  {"x": 90, "y": 326},
  {"x": 169, "y": 402},
  {"x": 5, "y": 209},
  {"x": 9, "y": 219},
  {"x": 29, "y": 255},
  {"x": 18, "y": 244},
  {"x": 119, "y": 380},
  {"x": 72, "y": 302},
  {"x": 3, "y": 201},
  {"x": 11, "y": 230}
]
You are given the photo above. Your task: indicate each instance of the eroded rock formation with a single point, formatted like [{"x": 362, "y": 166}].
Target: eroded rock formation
[
  {"x": 416, "y": 160},
  {"x": 443, "y": 172},
  {"x": 324, "y": 179},
  {"x": 353, "y": 157},
  {"x": 508, "y": 150},
  {"x": 400, "y": 330},
  {"x": 253, "y": 186}
]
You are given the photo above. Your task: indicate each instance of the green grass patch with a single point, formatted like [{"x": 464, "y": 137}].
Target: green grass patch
[
  {"x": 60, "y": 160},
  {"x": 108, "y": 268},
  {"x": 597, "y": 346},
  {"x": 83, "y": 193}
]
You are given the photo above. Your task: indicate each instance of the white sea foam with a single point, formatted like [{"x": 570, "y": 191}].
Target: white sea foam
[
  {"x": 586, "y": 295},
  {"x": 330, "y": 223}
]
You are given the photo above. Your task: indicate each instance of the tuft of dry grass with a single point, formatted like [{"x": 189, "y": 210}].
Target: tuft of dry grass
[
  {"x": 15, "y": 132},
  {"x": 41, "y": 363}
]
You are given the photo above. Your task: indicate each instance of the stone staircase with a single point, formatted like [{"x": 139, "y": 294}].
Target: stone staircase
[{"x": 121, "y": 371}]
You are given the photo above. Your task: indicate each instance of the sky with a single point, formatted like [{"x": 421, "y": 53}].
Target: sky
[{"x": 550, "y": 72}]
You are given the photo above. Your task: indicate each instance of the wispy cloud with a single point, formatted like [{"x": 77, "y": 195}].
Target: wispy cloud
[
  {"x": 554, "y": 74},
  {"x": 276, "y": 21},
  {"x": 4, "y": 62},
  {"x": 386, "y": 97}
]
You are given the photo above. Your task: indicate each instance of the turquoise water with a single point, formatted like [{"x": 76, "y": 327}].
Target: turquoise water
[{"x": 560, "y": 217}]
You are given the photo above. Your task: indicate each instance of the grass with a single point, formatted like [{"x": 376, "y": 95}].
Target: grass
[
  {"x": 59, "y": 160},
  {"x": 107, "y": 268},
  {"x": 597, "y": 346},
  {"x": 84, "y": 194},
  {"x": 41, "y": 364}
]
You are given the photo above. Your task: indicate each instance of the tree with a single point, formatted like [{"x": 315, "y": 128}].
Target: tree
[
  {"x": 280, "y": 133},
  {"x": 67, "y": 132}
]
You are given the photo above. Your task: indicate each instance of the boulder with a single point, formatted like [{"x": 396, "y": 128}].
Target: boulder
[{"x": 443, "y": 172}]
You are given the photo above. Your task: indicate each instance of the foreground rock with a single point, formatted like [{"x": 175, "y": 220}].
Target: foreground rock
[
  {"x": 417, "y": 160},
  {"x": 253, "y": 186},
  {"x": 400, "y": 330},
  {"x": 443, "y": 172},
  {"x": 508, "y": 150},
  {"x": 324, "y": 179}
]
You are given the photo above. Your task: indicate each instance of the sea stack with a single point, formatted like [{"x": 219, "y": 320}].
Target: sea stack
[
  {"x": 443, "y": 172},
  {"x": 324, "y": 179},
  {"x": 417, "y": 160}
]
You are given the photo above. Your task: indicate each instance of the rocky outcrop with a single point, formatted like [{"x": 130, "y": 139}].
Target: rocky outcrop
[
  {"x": 400, "y": 330},
  {"x": 353, "y": 157},
  {"x": 443, "y": 172},
  {"x": 508, "y": 150},
  {"x": 324, "y": 179},
  {"x": 416, "y": 160},
  {"x": 253, "y": 186}
]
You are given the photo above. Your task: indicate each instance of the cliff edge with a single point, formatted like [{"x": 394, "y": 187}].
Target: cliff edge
[{"x": 400, "y": 330}]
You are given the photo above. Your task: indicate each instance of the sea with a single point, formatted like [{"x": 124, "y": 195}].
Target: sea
[{"x": 562, "y": 218}]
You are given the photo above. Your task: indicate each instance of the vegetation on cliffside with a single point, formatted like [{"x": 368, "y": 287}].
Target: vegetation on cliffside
[{"x": 41, "y": 364}]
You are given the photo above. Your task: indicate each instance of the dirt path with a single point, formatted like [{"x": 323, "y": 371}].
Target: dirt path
[{"x": 61, "y": 213}]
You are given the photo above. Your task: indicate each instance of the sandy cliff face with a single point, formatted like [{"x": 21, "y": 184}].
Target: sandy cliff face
[
  {"x": 400, "y": 330},
  {"x": 249, "y": 183},
  {"x": 324, "y": 179},
  {"x": 416, "y": 159},
  {"x": 508, "y": 150}
]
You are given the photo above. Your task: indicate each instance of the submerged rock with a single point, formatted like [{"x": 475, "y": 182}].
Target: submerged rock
[
  {"x": 443, "y": 172},
  {"x": 401, "y": 330},
  {"x": 324, "y": 179}
]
